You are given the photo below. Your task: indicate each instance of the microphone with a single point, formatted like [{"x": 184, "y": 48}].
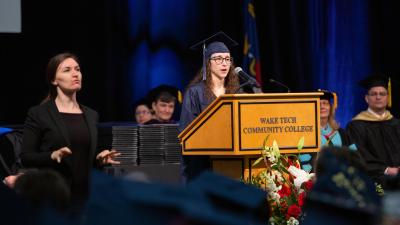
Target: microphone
[
  {"x": 280, "y": 84},
  {"x": 248, "y": 78}
]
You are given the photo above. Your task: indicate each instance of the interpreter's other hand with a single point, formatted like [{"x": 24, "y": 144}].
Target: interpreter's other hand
[
  {"x": 10, "y": 180},
  {"x": 59, "y": 154},
  {"x": 392, "y": 171},
  {"x": 107, "y": 157}
]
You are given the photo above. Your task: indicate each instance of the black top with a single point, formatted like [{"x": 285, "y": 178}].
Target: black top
[
  {"x": 78, "y": 133},
  {"x": 45, "y": 131},
  {"x": 378, "y": 143}
]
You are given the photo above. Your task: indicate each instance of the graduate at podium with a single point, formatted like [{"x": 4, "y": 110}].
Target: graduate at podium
[{"x": 215, "y": 78}]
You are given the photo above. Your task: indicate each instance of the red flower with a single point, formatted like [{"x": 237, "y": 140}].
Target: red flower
[
  {"x": 302, "y": 198},
  {"x": 308, "y": 185},
  {"x": 293, "y": 211},
  {"x": 285, "y": 191},
  {"x": 284, "y": 205},
  {"x": 294, "y": 163}
]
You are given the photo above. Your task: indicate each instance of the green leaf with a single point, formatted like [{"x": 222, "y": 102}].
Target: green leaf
[
  {"x": 300, "y": 144},
  {"x": 284, "y": 170},
  {"x": 275, "y": 167},
  {"x": 258, "y": 161},
  {"x": 265, "y": 142}
]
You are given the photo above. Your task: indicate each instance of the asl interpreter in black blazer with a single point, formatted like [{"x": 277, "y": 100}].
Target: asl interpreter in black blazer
[{"x": 60, "y": 133}]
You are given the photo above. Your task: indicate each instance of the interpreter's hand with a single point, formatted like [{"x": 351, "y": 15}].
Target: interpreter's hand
[
  {"x": 107, "y": 157},
  {"x": 392, "y": 171},
  {"x": 59, "y": 154},
  {"x": 10, "y": 180}
]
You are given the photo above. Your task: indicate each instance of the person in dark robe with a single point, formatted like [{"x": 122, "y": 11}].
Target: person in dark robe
[
  {"x": 376, "y": 132},
  {"x": 216, "y": 77},
  {"x": 164, "y": 99}
]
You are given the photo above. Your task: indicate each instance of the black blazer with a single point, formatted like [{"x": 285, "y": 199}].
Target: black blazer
[{"x": 45, "y": 132}]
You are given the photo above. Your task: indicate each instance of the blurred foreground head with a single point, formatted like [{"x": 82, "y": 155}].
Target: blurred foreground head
[{"x": 44, "y": 188}]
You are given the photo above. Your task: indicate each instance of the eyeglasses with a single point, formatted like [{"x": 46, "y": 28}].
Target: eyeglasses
[
  {"x": 375, "y": 94},
  {"x": 219, "y": 60}
]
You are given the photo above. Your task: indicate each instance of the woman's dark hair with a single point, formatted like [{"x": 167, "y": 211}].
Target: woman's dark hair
[
  {"x": 51, "y": 71},
  {"x": 231, "y": 81}
]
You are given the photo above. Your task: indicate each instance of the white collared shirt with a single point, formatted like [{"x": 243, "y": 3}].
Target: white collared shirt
[{"x": 377, "y": 115}]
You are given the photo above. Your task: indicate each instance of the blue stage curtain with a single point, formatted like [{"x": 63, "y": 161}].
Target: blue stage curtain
[
  {"x": 340, "y": 51},
  {"x": 159, "y": 33}
]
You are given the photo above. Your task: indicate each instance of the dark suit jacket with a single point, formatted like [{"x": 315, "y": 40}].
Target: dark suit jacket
[{"x": 45, "y": 132}]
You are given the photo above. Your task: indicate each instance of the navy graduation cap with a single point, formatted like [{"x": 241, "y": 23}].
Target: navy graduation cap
[
  {"x": 217, "y": 43},
  {"x": 374, "y": 80},
  {"x": 156, "y": 92},
  {"x": 342, "y": 193},
  {"x": 232, "y": 197},
  {"x": 328, "y": 95}
]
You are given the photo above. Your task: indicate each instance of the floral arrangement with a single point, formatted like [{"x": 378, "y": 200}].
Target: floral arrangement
[{"x": 287, "y": 185}]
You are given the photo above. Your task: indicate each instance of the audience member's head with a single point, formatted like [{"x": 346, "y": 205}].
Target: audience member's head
[
  {"x": 164, "y": 106},
  {"x": 328, "y": 104},
  {"x": 44, "y": 188},
  {"x": 163, "y": 99},
  {"x": 342, "y": 193},
  {"x": 142, "y": 111},
  {"x": 344, "y": 154},
  {"x": 377, "y": 96}
]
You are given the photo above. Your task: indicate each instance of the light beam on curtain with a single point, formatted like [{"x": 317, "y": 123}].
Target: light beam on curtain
[{"x": 340, "y": 48}]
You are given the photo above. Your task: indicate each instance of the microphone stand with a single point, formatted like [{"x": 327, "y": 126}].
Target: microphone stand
[
  {"x": 253, "y": 83},
  {"x": 280, "y": 84}
]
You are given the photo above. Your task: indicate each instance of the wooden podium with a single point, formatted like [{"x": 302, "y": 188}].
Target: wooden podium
[{"x": 232, "y": 129}]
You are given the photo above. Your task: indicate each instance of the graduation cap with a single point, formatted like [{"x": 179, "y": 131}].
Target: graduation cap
[
  {"x": 123, "y": 202},
  {"x": 342, "y": 194},
  {"x": 329, "y": 96},
  {"x": 232, "y": 196},
  {"x": 378, "y": 80},
  {"x": 155, "y": 93},
  {"x": 217, "y": 43}
]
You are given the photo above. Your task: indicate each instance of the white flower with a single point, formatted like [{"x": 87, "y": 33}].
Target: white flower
[
  {"x": 300, "y": 175},
  {"x": 277, "y": 176},
  {"x": 292, "y": 221},
  {"x": 271, "y": 221},
  {"x": 272, "y": 153},
  {"x": 271, "y": 158}
]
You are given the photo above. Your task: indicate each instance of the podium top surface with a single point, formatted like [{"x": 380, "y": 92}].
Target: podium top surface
[{"x": 271, "y": 95}]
